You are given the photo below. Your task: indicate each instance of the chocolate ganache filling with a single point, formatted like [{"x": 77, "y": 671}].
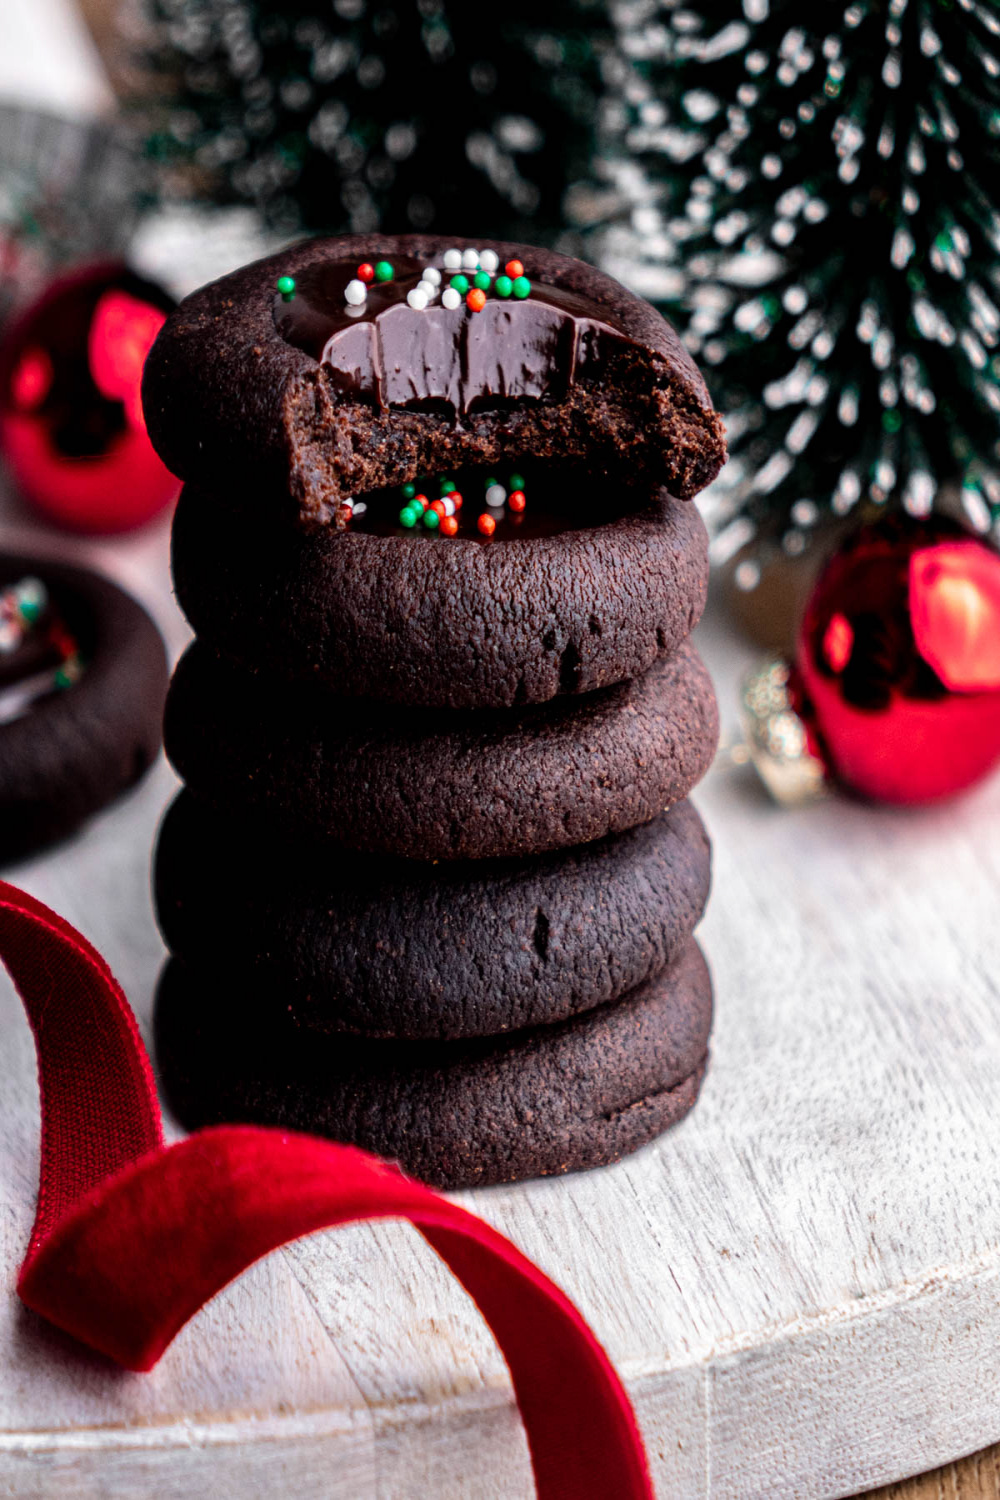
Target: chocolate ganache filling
[{"x": 435, "y": 357}]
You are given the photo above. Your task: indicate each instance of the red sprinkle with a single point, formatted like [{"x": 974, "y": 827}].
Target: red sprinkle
[
  {"x": 456, "y": 499},
  {"x": 420, "y": 500},
  {"x": 476, "y": 299},
  {"x": 486, "y": 524},
  {"x": 449, "y": 526},
  {"x": 516, "y": 500},
  {"x": 438, "y": 505},
  {"x": 514, "y": 268},
  {"x": 366, "y": 271}
]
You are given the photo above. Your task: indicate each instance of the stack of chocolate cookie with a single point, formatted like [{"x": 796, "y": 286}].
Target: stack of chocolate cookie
[{"x": 432, "y": 882}]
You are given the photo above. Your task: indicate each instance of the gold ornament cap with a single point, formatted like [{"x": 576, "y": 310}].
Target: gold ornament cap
[{"x": 777, "y": 740}]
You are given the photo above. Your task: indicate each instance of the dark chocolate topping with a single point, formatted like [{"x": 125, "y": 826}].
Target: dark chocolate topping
[{"x": 439, "y": 358}]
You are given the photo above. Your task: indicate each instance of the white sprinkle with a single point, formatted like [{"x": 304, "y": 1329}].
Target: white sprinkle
[
  {"x": 431, "y": 274},
  {"x": 450, "y": 299},
  {"x": 417, "y": 298},
  {"x": 470, "y": 260},
  {"x": 496, "y": 495},
  {"x": 33, "y": 591},
  {"x": 489, "y": 261},
  {"x": 453, "y": 260},
  {"x": 449, "y": 505},
  {"x": 355, "y": 293},
  {"x": 430, "y": 288},
  {"x": 359, "y": 508}
]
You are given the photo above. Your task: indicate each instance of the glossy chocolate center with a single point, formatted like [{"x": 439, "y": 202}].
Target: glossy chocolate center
[{"x": 435, "y": 358}]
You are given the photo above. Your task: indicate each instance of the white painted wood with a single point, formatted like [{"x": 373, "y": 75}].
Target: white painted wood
[{"x": 799, "y": 1284}]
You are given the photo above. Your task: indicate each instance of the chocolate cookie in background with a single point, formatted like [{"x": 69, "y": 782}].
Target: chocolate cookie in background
[
  {"x": 432, "y": 886},
  {"x": 440, "y": 784},
  {"x": 320, "y": 373},
  {"x": 548, "y": 1099},
  {"x": 83, "y": 677},
  {"x": 412, "y": 949}
]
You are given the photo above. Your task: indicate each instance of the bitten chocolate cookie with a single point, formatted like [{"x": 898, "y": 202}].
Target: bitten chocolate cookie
[
  {"x": 343, "y": 365},
  {"x": 422, "y": 620},
  {"x": 441, "y": 784},
  {"x": 399, "y": 948},
  {"x": 581, "y": 1093},
  {"x": 83, "y": 676}
]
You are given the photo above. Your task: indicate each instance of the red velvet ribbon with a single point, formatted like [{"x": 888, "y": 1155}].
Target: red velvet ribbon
[{"x": 132, "y": 1237}]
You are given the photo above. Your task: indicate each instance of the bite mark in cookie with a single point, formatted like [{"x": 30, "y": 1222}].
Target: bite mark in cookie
[{"x": 245, "y": 386}]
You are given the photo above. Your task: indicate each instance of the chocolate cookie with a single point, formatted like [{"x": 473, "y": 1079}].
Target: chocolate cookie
[
  {"x": 274, "y": 378},
  {"x": 441, "y": 784},
  {"x": 399, "y": 948},
  {"x": 423, "y": 620},
  {"x": 81, "y": 699},
  {"x": 581, "y": 1093}
]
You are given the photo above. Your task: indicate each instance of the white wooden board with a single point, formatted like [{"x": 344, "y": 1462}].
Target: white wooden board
[{"x": 799, "y": 1285}]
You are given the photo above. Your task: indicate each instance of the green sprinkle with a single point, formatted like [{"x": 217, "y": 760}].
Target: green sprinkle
[
  {"x": 503, "y": 286},
  {"x": 431, "y": 520},
  {"x": 286, "y": 286},
  {"x": 460, "y": 284},
  {"x": 447, "y": 486},
  {"x": 891, "y": 421},
  {"x": 487, "y": 482},
  {"x": 482, "y": 281},
  {"x": 383, "y": 271},
  {"x": 410, "y": 515},
  {"x": 516, "y": 482},
  {"x": 522, "y": 286},
  {"x": 408, "y": 490},
  {"x": 29, "y": 610}
]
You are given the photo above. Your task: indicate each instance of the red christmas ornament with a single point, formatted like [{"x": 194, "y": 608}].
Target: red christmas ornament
[
  {"x": 71, "y": 427},
  {"x": 895, "y": 689}
]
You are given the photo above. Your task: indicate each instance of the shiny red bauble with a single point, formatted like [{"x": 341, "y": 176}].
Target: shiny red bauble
[
  {"x": 72, "y": 433},
  {"x": 897, "y": 672}
]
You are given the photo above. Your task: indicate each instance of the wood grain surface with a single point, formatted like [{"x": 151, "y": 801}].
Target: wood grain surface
[
  {"x": 799, "y": 1284},
  {"x": 974, "y": 1478}
]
